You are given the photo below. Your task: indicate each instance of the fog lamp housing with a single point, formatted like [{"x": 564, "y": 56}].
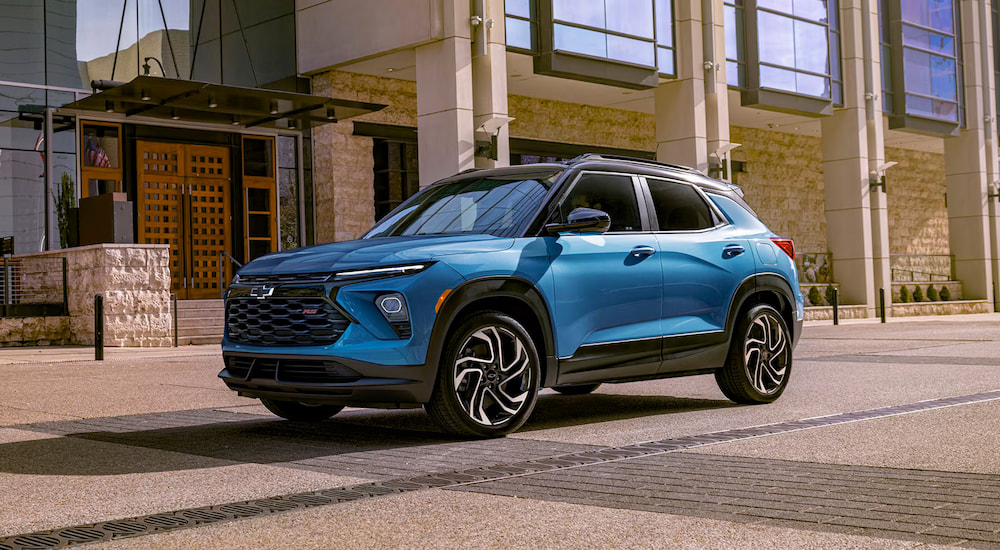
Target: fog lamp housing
[{"x": 392, "y": 306}]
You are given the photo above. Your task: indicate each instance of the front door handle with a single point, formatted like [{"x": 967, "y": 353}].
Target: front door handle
[
  {"x": 732, "y": 251},
  {"x": 642, "y": 251}
]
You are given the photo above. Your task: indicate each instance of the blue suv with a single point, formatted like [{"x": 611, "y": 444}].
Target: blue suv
[{"x": 487, "y": 286}]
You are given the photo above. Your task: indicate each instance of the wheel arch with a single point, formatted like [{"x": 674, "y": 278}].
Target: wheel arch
[
  {"x": 511, "y": 295},
  {"x": 764, "y": 288}
]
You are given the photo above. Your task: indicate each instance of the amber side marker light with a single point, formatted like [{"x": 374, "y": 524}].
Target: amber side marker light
[
  {"x": 786, "y": 245},
  {"x": 437, "y": 306}
]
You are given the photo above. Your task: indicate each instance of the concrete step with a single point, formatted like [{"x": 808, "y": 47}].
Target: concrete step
[
  {"x": 200, "y": 313},
  {"x": 199, "y": 331},
  {"x": 199, "y": 304},
  {"x": 197, "y": 340},
  {"x": 210, "y": 321}
]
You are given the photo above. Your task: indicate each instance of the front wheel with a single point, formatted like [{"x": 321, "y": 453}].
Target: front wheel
[
  {"x": 760, "y": 358},
  {"x": 301, "y": 412},
  {"x": 488, "y": 380}
]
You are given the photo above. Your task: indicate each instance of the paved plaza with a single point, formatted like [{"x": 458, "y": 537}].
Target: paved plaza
[{"x": 885, "y": 438}]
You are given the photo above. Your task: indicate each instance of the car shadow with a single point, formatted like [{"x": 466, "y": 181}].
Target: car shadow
[{"x": 364, "y": 434}]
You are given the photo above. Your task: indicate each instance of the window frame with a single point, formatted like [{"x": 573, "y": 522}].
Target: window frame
[
  {"x": 756, "y": 95},
  {"x": 900, "y": 118},
  {"x": 718, "y": 219},
  {"x": 645, "y": 226}
]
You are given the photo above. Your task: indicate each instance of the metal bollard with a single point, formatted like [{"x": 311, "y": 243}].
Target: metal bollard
[
  {"x": 98, "y": 327},
  {"x": 836, "y": 303},
  {"x": 881, "y": 303}
]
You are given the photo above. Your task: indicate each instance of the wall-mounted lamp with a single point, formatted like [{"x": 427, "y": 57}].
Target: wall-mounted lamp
[
  {"x": 331, "y": 115},
  {"x": 490, "y": 129},
  {"x": 876, "y": 179},
  {"x": 719, "y": 164},
  {"x": 174, "y": 115},
  {"x": 274, "y": 108},
  {"x": 993, "y": 192},
  {"x": 211, "y": 102},
  {"x": 109, "y": 106}
]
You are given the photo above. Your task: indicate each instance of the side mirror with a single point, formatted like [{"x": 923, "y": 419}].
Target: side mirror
[{"x": 582, "y": 220}]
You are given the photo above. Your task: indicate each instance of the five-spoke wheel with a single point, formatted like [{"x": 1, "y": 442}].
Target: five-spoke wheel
[
  {"x": 760, "y": 358},
  {"x": 488, "y": 382}
]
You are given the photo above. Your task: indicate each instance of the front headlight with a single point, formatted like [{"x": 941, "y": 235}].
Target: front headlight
[{"x": 380, "y": 272}]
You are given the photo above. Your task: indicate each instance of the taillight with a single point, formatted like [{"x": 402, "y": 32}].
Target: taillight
[{"x": 786, "y": 245}]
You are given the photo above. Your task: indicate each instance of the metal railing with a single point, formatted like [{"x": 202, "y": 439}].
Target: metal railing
[
  {"x": 33, "y": 287},
  {"x": 223, "y": 283},
  {"x": 815, "y": 267},
  {"x": 910, "y": 268}
]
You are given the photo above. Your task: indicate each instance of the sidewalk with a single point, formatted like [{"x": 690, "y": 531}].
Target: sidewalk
[{"x": 63, "y": 354}]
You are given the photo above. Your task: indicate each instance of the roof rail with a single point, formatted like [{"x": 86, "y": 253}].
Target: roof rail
[{"x": 601, "y": 156}]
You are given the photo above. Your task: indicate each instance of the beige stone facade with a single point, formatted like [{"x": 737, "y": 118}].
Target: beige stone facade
[{"x": 135, "y": 283}]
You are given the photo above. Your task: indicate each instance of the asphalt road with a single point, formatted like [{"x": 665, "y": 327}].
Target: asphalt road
[{"x": 885, "y": 438}]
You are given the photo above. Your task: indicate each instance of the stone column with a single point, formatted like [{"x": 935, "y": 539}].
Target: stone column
[
  {"x": 988, "y": 52},
  {"x": 489, "y": 82},
  {"x": 681, "y": 133},
  {"x": 716, "y": 88},
  {"x": 846, "y": 172},
  {"x": 444, "y": 98},
  {"x": 965, "y": 172}
]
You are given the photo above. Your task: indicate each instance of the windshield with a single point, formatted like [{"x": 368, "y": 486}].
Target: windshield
[{"x": 492, "y": 206}]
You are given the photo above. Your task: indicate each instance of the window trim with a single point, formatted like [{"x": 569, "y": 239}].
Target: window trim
[
  {"x": 637, "y": 189},
  {"x": 717, "y": 216},
  {"x": 900, "y": 119},
  {"x": 754, "y": 95}
]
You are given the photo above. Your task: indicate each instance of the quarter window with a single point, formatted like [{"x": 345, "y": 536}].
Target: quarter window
[
  {"x": 613, "y": 194},
  {"x": 679, "y": 207}
]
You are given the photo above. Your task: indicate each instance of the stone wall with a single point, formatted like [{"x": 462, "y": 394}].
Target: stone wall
[{"x": 135, "y": 282}]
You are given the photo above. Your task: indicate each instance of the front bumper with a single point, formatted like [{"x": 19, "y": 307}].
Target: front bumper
[{"x": 328, "y": 380}]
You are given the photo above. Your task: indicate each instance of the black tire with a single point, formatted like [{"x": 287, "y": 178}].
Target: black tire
[
  {"x": 301, "y": 412},
  {"x": 576, "y": 389},
  {"x": 760, "y": 358},
  {"x": 488, "y": 380}
]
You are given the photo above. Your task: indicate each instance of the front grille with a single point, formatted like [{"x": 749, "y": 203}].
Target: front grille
[
  {"x": 293, "y": 370},
  {"x": 287, "y": 278},
  {"x": 284, "y": 321}
]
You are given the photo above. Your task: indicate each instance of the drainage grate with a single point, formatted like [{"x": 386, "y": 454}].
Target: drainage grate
[{"x": 169, "y": 521}]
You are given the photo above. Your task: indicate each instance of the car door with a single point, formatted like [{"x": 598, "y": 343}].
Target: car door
[
  {"x": 704, "y": 259},
  {"x": 607, "y": 287}
]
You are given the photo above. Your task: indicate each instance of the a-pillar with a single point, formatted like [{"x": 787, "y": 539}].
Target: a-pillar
[
  {"x": 965, "y": 172},
  {"x": 681, "y": 134},
  {"x": 489, "y": 81},
  {"x": 445, "y": 140},
  {"x": 846, "y": 173}
]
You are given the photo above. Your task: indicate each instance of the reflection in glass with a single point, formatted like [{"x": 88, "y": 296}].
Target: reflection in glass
[
  {"x": 518, "y": 33},
  {"x": 930, "y": 63},
  {"x": 796, "y": 42},
  {"x": 520, "y": 8},
  {"x": 23, "y": 199},
  {"x": 100, "y": 146},
  {"x": 22, "y": 42}
]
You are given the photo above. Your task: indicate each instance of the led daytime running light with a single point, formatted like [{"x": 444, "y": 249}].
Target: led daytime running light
[{"x": 401, "y": 270}]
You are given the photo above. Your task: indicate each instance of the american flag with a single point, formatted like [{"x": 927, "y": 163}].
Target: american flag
[{"x": 95, "y": 155}]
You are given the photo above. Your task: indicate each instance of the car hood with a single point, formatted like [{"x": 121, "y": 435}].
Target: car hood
[{"x": 372, "y": 252}]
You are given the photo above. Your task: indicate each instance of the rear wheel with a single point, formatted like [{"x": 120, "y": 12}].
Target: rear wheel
[
  {"x": 488, "y": 380},
  {"x": 301, "y": 412},
  {"x": 760, "y": 358},
  {"x": 576, "y": 389}
]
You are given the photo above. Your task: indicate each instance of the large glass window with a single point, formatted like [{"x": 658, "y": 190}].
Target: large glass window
[
  {"x": 396, "y": 174},
  {"x": 798, "y": 47},
  {"x": 610, "y": 193},
  {"x": 736, "y": 65},
  {"x": 638, "y": 32},
  {"x": 922, "y": 64},
  {"x": 288, "y": 193}
]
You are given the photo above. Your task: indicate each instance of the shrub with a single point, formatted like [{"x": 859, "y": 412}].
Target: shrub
[
  {"x": 904, "y": 294},
  {"x": 945, "y": 294},
  {"x": 932, "y": 293},
  {"x": 918, "y": 294},
  {"x": 829, "y": 294},
  {"x": 815, "y": 298}
]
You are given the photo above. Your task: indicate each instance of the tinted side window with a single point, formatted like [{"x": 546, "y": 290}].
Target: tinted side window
[
  {"x": 679, "y": 207},
  {"x": 610, "y": 193}
]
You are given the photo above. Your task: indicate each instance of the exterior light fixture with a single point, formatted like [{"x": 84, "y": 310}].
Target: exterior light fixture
[
  {"x": 274, "y": 108},
  {"x": 993, "y": 192},
  {"x": 876, "y": 179},
  {"x": 211, "y": 102},
  {"x": 146, "y": 96},
  {"x": 236, "y": 121},
  {"x": 330, "y": 114},
  {"x": 174, "y": 115},
  {"x": 109, "y": 106}
]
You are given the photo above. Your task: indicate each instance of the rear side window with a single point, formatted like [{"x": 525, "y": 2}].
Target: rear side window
[
  {"x": 613, "y": 194},
  {"x": 679, "y": 207}
]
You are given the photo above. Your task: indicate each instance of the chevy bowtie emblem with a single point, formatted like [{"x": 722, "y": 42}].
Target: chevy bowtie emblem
[{"x": 261, "y": 292}]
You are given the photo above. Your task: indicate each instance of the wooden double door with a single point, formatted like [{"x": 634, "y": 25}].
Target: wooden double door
[{"x": 183, "y": 200}]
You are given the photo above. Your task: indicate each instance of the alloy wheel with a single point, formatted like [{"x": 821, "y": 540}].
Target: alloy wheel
[
  {"x": 766, "y": 354},
  {"x": 492, "y": 376}
]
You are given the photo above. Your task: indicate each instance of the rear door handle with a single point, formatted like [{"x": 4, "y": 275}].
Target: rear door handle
[
  {"x": 732, "y": 251},
  {"x": 644, "y": 250}
]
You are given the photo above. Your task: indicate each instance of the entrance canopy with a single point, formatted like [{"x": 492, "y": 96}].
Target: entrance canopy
[{"x": 189, "y": 100}]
